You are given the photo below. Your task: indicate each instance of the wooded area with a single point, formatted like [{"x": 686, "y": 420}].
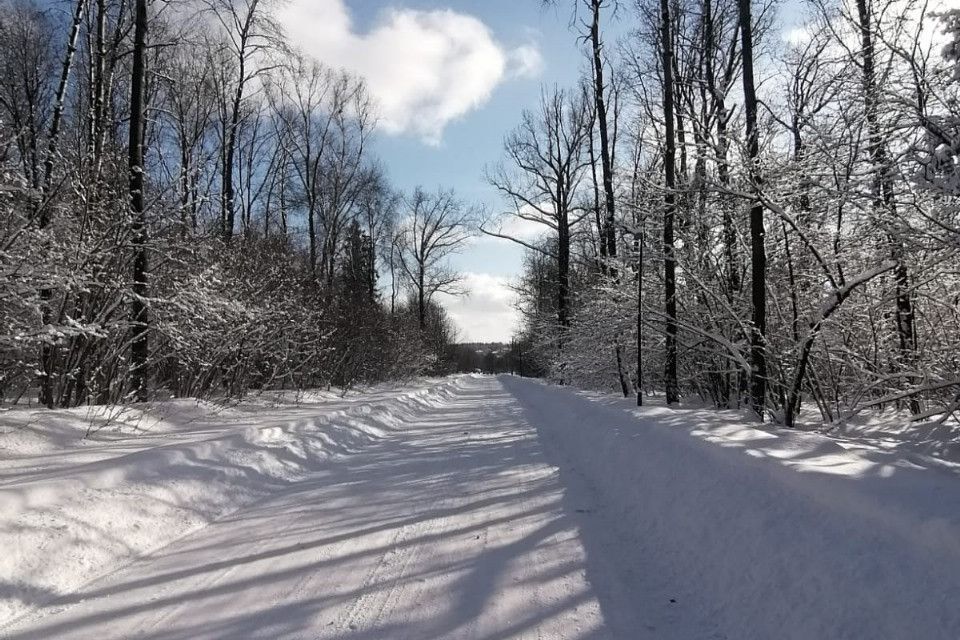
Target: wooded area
[
  {"x": 758, "y": 219},
  {"x": 233, "y": 405},
  {"x": 191, "y": 207},
  {"x": 782, "y": 227}
]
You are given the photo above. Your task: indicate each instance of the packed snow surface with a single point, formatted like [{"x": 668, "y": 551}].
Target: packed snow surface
[{"x": 473, "y": 507}]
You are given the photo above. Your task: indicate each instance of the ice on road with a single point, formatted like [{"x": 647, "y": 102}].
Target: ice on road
[{"x": 498, "y": 508}]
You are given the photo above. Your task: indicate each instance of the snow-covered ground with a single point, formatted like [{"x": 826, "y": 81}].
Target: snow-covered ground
[
  {"x": 474, "y": 507},
  {"x": 85, "y": 491}
]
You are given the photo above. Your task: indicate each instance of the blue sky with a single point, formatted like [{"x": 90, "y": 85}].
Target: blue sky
[
  {"x": 492, "y": 57},
  {"x": 451, "y": 78},
  {"x": 475, "y": 139}
]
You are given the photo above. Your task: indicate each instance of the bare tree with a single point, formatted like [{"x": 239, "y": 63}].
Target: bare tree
[
  {"x": 248, "y": 34},
  {"x": 325, "y": 118},
  {"x": 883, "y": 187},
  {"x": 540, "y": 179},
  {"x": 606, "y": 146},
  {"x": 189, "y": 104},
  {"x": 26, "y": 84},
  {"x": 436, "y": 225}
]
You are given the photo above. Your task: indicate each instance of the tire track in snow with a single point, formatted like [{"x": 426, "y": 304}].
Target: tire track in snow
[
  {"x": 373, "y": 602},
  {"x": 425, "y": 534}
]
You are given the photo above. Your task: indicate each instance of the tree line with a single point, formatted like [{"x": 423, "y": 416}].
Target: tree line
[
  {"x": 749, "y": 217},
  {"x": 192, "y": 207}
]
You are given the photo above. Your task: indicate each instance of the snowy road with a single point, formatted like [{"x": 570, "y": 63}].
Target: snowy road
[
  {"x": 454, "y": 527},
  {"x": 509, "y": 509}
]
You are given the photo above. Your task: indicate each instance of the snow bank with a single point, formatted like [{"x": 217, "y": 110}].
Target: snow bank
[
  {"x": 773, "y": 534},
  {"x": 76, "y": 507},
  {"x": 893, "y": 430}
]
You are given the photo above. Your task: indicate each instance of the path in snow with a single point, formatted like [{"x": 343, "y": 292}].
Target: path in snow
[
  {"x": 453, "y": 527},
  {"x": 501, "y": 508}
]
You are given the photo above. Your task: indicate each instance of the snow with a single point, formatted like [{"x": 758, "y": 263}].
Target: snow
[
  {"x": 472, "y": 507},
  {"x": 86, "y": 490},
  {"x": 765, "y": 533}
]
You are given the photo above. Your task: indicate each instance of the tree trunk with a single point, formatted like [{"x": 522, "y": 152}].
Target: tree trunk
[
  {"x": 723, "y": 167},
  {"x": 601, "y": 235},
  {"x": 563, "y": 277},
  {"x": 421, "y": 302},
  {"x": 139, "y": 314},
  {"x": 229, "y": 153},
  {"x": 883, "y": 196},
  {"x": 640, "y": 318},
  {"x": 758, "y": 293},
  {"x": 610, "y": 233},
  {"x": 61, "y": 95},
  {"x": 622, "y": 371},
  {"x": 669, "y": 209},
  {"x": 99, "y": 90}
]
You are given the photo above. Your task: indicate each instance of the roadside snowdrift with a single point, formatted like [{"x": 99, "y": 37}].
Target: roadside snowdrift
[
  {"x": 77, "y": 507},
  {"x": 772, "y": 534}
]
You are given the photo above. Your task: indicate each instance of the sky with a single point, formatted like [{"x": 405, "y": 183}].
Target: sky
[{"x": 451, "y": 78}]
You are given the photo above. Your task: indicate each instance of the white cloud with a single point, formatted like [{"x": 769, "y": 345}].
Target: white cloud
[
  {"x": 526, "y": 228},
  {"x": 426, "y": 68},
  {"x": 527, "y": 61},
  {"x": 513, "y": 227},
  {"x": 486, "y": 313}
]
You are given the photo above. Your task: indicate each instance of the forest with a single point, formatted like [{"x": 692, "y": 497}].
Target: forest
[
  {"x": 191, "y": 207},
  {"x": 733, "y": 212},
  {"x": 747, "y": 215},
  {"x": 712, "y": 247}
]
